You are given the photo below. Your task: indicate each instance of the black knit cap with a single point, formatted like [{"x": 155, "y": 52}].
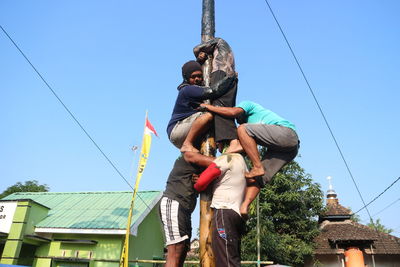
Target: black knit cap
[{"x": 188, "y": 68}]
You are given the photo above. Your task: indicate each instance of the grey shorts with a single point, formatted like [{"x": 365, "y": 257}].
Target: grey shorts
[
  {"x": 282, "y": 146},
  {"x": 181, "y": 129}
]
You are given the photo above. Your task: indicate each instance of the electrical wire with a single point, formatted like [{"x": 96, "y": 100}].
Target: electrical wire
[
  {"x": 316, "y": 100},
  {"x": 365, "y": 206},
  {"x": 322, "y": 113},
  {"x": 385, "y": 208},
  {"x": 70, "y": 113}
]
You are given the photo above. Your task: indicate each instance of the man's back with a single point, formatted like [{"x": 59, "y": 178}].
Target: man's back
[
  {"x": 229, "y": 188},
  {"x": 180, "y": 186}
]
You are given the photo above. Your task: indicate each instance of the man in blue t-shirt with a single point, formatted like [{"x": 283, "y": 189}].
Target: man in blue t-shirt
[{"x": 260, "y": 126}]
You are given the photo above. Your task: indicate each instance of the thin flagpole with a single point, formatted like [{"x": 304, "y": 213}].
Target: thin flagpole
[
  {"x": 124, "y": 261},
  {"x": 141, "y": 149}
]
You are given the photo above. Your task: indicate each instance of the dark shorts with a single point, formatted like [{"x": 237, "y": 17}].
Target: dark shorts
[
  {"x": 282, "y": 146},
  {"x": 176, "y": 220},
  {"x": 227, "y": 230}
]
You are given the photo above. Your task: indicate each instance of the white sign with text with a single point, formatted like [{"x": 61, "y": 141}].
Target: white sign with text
[{"x": 7, "y": 210}]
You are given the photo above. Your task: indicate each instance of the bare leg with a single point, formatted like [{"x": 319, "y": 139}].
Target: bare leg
[
  {"x": 250, "y": 147},
  {"x": 251, "y": 193},
  {"x": 199, "y": 126},
  {"x": 197, "y": 158},
  {"x": 176, "y": 254}
]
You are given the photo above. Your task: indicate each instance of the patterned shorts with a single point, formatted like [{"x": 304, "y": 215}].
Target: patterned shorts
[{"x": 176, "y": 220}]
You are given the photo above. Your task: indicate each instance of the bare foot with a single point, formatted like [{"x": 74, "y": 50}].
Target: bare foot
[
  {"x": 188, "y": 148},
  {"x": 244, "y": 211},
  {"x": 234, "y": 147},
  {"x": 255, "y": 172}
]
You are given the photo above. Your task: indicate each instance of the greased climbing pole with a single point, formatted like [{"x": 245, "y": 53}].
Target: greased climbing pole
[{"x": 208, "y": 146}]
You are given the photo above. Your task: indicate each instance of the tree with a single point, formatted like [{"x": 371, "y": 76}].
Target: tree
[
  {"x": 379, "y": 226},
  {"x": 289, "y": 207},
  {"x": 355, "y": 217},
  {"x": 29, "y": 186}
]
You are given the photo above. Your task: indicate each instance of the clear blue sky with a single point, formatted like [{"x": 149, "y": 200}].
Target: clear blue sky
[{"x": 110, "y": 61}]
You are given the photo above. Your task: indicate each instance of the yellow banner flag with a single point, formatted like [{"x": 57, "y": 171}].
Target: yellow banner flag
[{"x": 144, "y": 154}]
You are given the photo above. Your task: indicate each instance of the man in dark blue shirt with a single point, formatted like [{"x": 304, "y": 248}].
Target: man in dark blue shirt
[{"x": 191, "y": 94}]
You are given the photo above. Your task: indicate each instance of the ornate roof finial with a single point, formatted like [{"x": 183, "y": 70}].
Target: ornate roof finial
[
  {"x": 331, "y": 194},
  {"x": 335, "y": 211}
]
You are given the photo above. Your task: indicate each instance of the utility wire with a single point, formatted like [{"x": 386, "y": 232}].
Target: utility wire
[
  {"x": 65, "y": 107},
  {"x": 321, "y": 111},
  {"x": 70, "y": 113},
  {"x": 316, "y": 100},
  {"x": 365, "y": 206},
  {"x": 385, "y": 208}
]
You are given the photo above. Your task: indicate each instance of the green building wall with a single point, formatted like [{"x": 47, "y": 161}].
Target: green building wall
[
  {"x": 148, "y": 244},
  {"x": 107, "y": 250},
  {"x": 18, "y": 248}
]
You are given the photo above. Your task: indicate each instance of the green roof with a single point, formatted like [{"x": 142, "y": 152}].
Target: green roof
[{"x": 91, "y": 210}]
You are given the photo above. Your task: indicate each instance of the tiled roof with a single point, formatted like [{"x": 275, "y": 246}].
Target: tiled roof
[
  {"x": 91, "y": 210},
  {"x": 339, "y": 232},
  {"x": 336, "y": 210},
  {"x": 349, "y": 232}
]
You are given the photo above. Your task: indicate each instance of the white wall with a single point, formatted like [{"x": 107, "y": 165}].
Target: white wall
[
  {"x": 383, "y": 260},
  {"x": 326, "y": 261}
]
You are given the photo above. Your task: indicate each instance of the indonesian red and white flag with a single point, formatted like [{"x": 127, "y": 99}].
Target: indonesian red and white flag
[{"x": 149, "y": 128}]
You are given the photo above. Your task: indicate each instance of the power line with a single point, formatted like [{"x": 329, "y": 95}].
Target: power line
[
  {"x": 316, "y": 100},
  {"x": 70, "y": 113},
  {"x": 385, "y": 208},
  {"x": 321, "y": 111},
  {"x": 65, "y": 107},
  {"x": 365, "y": 206}
]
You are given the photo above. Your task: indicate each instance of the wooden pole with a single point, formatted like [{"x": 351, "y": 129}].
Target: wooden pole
[
  {"x": 258, "y": 231},
  {"x": 208, "y": 146}
]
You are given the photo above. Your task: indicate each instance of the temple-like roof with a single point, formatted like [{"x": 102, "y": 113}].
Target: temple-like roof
[
  {"x": 343, "y": 234},
  {"x": 336, "y": 210},
  {"x": 339, "y": 232}
]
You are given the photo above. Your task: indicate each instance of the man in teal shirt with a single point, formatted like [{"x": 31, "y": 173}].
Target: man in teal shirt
[{"x": 260, "y": 126}]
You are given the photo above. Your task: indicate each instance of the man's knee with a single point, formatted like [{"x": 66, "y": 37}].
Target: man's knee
[
  {"x": 178, "y": 249},
  {"x": 242, "y": 129},
  {"x": 207, "y": 116},
  {"x": 183, "y": 247}
]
